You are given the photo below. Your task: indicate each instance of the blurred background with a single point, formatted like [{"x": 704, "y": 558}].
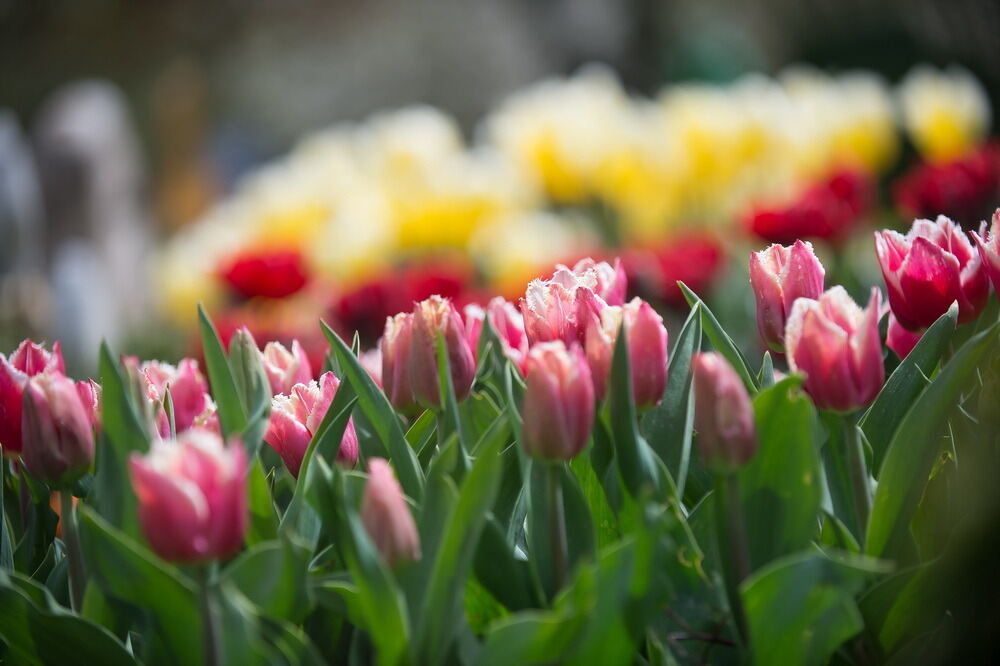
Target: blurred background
[{"x": 281, "y": 161}]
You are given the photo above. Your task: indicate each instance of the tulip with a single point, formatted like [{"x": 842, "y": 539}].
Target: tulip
[
  {"x": 900, "y": 340},
  {"x": 989, "y": 249},
  {"x": 27, "y": 361},
  {"x": 779, "y": 275},
  {"x": 508, "y": 324},
  {"x": 609, "y": 282},
  {"x": 432, "y": 317},
  {"x": 723, "y": 418},
  {"x": 836, "y": 345},
  {"x": 395, "y": 348},
  {"x": 90, "y": 395},
  {"x": 558, "y": 406},
  {"x": 58, "y": 436},
  {"x": 386, "y": 518},
  {"x": 296, "y": 417},
  {"x": 285, "y": 368},
  {"x": 647, "y": 346},
  {"x": 371, "y": 361},
  {"x": 192, "y": 404},
  {"x": 929, "y": 268},
  {"x": 473, "y": 316},
  {"x": 561, "y": 308},
  {"x": 192, "y": 496}
]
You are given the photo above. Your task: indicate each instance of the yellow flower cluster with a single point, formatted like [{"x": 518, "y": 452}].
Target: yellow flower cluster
[{"x": 559, "y": 165}]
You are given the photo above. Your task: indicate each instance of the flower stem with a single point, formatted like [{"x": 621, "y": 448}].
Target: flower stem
[
  {"x": 74, "y": 557},
  {"x": 731, "y": 531},
  {"x": 557, "y": 525},
  {"x": 858, "y": 473},
  {"x": 209, "y": 618}
]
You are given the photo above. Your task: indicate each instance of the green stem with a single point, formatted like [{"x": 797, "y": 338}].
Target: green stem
[
  {"x": 858, "y": 473},
  {"x": 73, "y": 552},
  {"x": 731, "y": 529},
  {"x": 557, "y": 525},
  {"x": 209, "y": 618}
]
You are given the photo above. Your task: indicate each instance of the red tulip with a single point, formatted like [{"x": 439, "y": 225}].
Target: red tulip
[
  {"x": 296, "y": 417},
  {"x": 57, "y": 432},
  {"x": 386, "y": 517},
  {"x": 779, "y": 275},
  {"x": 693, "y": 258},
  {"x": 647, "y": 345},
  {"x": 989, "y": 249},
  {"x": 192, "y": 497},
  {"x": 27, "y": 361},
  {"x": 930, "y": 267},
  {"x": 432, "y": 317},
  {"x": 395, "y": 347},
  {"x": 285, "y": 368},
  {"x": 723, "y": 417},
  {"x": 836, "y": 345},
  {"x": 266, "y": 273},
  {"x": 558, "y": 406},
  {"x": 964, "y": 189}
]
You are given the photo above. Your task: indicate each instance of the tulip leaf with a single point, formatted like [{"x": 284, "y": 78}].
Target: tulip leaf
[
  {"x": 450, "y": 421},
  {"x": 765, "y": 377},
  {"x": 384, "y": 420},
  {"x": 6, "y": 545},
  {"x": 909, "y": 379},
  {"x": 254, "y": 391},
  {"x": 263, "y": 524},
  {"x": 273, "y": 576},
  {"x": 232, "y": 417},
  {"x": 914, "y": 447},
  {"x": 37, "y": 630},
  {"x": 721, "y": 340},
  {"x": 506, "y": 577}
]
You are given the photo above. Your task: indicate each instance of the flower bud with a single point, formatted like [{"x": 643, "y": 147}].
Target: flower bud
[
  {"x": 296, "y": 417},
  {"x": 57, "y": 433},
  {"x": 779, "y": 275},
  {"x": 432, "y": 317},
  {"x": 27, "y": 361},
  {"x": 836, "y": 345},
  {"x": 647, "y": 350},
  {"x": 386, "y": 517},
  {"x": 930, "y": 267},
  {"x": 989, "y": 249},
  {"x": 558, "y": 409},
  {"x": 395, "y": 347},
  {"x": 192, "y": 496},
  {"x": 723, "y": 417},
  {"x": 508, "y": 324},
  {"x": 285, "y": 368}
]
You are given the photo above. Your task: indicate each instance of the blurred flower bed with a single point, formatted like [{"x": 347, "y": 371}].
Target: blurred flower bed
[{"x": 361, "y": 219}]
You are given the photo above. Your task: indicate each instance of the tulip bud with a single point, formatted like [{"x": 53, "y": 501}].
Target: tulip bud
[
  {"x": 930, "y": 267},
  {"x": 558, "y": 406},
  {"x": 27, "y": 361},
  {"x": 836, "y": 345},
  {"x": 285, "y": 368},
  {"x": 508, "y": 324},
  {"x": 192, "y": 497},
  {"x": 647, "y": 350},
  {"x": 432, "y": 317},
  {"x": 386, "y": 517},
  {"x": 295, "y": 418},
  {"x": 779, "y": 275},
  {"x": 989, "y": 249},
  {"x": 395, "y": 347},
  {"x": 57, "y": 432},
  {"x": 723, "y": 418}
]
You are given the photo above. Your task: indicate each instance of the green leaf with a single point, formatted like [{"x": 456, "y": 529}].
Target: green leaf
[
  {"x": 450, "y": 421},
  {"x": 232, "y": 418},
  {"x": 721, "y": 340},
  {"x": 6, "y": 545},
  {"x": 253, "y": 388},
  {"x": 506, "y": 577},
  {"x": 376, "y": 406},
  {"x": 273, "y": 576},
  {"x": 914, "y": 448},
  {"x": 604, "y": 518},
  {"x": 765, "y": 377},
  {"x": 263, "y": 517},
  {"x": 909, "y": 379},
  {"x": 781, "y": 486},
  {"x": 37, "y": 630}
]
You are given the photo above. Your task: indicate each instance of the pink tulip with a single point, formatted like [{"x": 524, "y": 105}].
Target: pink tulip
[
  {"x": 609, "y": 282},
  {"x": 90, "y": 395},
  {"x": 473, "y": 316},
  {"x": 562, "y": 307},
  {"x": 779, "y": 275},
  {"x": 508, "y": 324},
  {"x": 930, "y": 267},
  {"x": 558, "y": 406},
  {"x": 57, "y": 433},
  {"x": 432, "y": 317},
  {"x": 296, "y": 417},
  {"x": 395, "y": 347},
  {"x": 193, "y": 406},
  {"x": 900, "y": 340},
  {"x": 285, "y": 368},
  {"x": 836, "y": 345},
  {"x": 27, "y": 361},
  {"x": 371, "y": 361},
  {"x": 989, "y": 249},
  {"x": 386, "y": 517},
  {"x": 723, "y": 418},
  {"x": 192, "y": 497},
  {"x": 647, "y": 345}
]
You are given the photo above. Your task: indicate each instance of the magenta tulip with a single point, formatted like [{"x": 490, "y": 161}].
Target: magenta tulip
[
  {"x": 989, "y": 249},
  {"x": 193, "y": 406},
  {"x": 386, "y": 517},
  {"x": 900, "y": 340},
  {"x": 433, "y": 317},
  {"x": 192, "y": 497},
  {"x": 26, "y": 361},
  {"x": 58, "y": 436},
  {"x": 723, "y": 417},
  {"x": 928, "y": 269},
  {"x": 285, "y": 368},
  {"x": 836, "y": 345},
  {"x": 779, "y": 275},
  {"x": 296, "y": 417},
  {"x": 558, "y": 406},
  {"x": 395, "y": 347}
]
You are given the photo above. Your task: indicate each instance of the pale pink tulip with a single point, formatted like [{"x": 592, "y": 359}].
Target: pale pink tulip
[
  {"x": 386, "y": 518},
  {"x": 779, "y": 275},
  {"x": 285, "y": 368},
  {"x": 989, "y": 249},
  {"x": 723, "y": 417}
]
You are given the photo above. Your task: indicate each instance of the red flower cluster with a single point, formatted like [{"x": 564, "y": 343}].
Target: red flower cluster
[
  {"x": 964, "y": 189},
  {"x": 266, "y": 273},
  {"x": 694, "y": 259}
]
